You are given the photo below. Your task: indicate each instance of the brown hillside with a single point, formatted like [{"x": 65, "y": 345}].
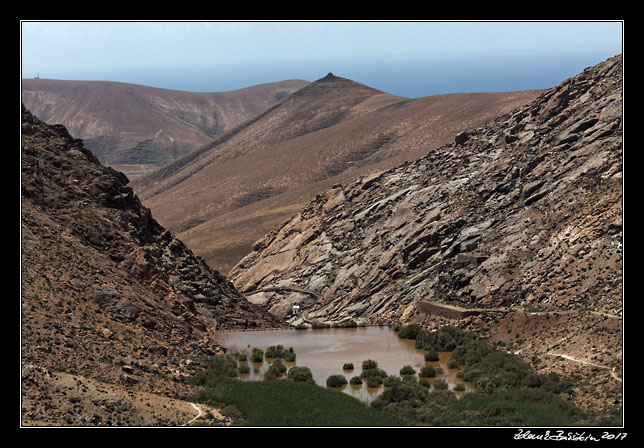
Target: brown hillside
[
  {"x": 135, "y": 128},
  {"x": 223, "y": 197},
  {"x": 518, "y": 221},
  {"x": 110, "y": 299}
]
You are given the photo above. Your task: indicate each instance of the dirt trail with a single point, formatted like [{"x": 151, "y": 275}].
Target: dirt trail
[
  {"x": 200, "y": 413},
  {"x": 571, "y": 358}
]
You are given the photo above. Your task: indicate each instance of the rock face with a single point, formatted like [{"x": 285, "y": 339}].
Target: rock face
[
  {"x": 523, "y": 212},
  {"x": 103, "y": 284}
]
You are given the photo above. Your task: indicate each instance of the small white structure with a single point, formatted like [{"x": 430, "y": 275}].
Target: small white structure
[{"x": 295, "y": 310}]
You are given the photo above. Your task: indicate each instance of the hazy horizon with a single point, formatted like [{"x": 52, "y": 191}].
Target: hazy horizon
[{"x": 408, "y": 59}]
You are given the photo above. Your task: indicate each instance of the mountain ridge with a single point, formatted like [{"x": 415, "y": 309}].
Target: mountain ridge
[
  {"x": 327, "y": 132},
  {"x": 135, "y": 127},
  {"x": 519, "y": 219}
]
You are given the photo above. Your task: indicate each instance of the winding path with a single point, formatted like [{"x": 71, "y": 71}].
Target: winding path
[{"x": 200, "y": 413}]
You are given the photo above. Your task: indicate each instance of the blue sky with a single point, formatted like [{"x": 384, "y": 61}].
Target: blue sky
[{"x": 401, "y": 57}]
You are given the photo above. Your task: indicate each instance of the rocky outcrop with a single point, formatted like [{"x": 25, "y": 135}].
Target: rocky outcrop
[
  {"x": 103, "y": 284},
  {"x": 524, "y": 212}
]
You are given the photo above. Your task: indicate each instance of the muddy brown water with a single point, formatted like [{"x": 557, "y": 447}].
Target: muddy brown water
[{"x": 325, "y": 351}]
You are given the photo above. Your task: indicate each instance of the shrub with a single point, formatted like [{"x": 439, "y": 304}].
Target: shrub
[
  {"x": 301, "y": 374},
  {"x": 257, "y": 355},
  {"x": 391, "y": 381},
  {"x": 373, "y": 381},
  {"x": 407, "y": 370},
  {"x": 336, "y": 381},
  {"x": 243, "y": 356},
  {"x": 431, "y": 355},
  {"x": 219, "y": 369},
  {"x": 410, "y": 331},
  {"x": 289, "y": 356},
  {"x": 427, "y": 372},
  {"x": 369, "y": 364},
  {"x": 350, "y": 323},
  {"x": 244, "y": 368},
  {"x": 275, "y": 351},
  {"x": 409, "y": 379},
  {"x": 440, "y": 384},
  {"x": 277, "y": 368},
  {"x": 445, "y": 339},
  {"x": 460, "y": 387},
  {"x": 374, "y": 372},
  {"x": 452, "y": 364},
  {"x": 424, "y": 382},
  {"x": 347, "y": 366},
  {"x": 356, "y": 380}
]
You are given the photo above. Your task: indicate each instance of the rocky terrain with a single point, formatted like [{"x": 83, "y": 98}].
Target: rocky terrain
[
  {"x": 136, "y": 129},
  {"x": 249, "y": 180},
  {"x": 521, "y": 217},
  {"x": 114, "y": 307}
]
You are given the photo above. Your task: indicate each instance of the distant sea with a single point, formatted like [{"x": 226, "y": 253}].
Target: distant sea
[{"x": 409, "y": 78}]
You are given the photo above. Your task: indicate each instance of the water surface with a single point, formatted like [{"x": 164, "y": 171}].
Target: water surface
[{"x": 325, "y": 351}]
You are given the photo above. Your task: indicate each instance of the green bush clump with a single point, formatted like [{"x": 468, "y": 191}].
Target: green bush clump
[
  {"x": 369, "y": 364},
  {"x": 391, "y": 381},
  {"x": 290, "y": 356},
  {"x": 336, "y": 381},
  {"x": 410, "y": 379},
  {"x": 350, "y": 323},
  {"x": 244, "y": 368},
  {"x": 301, "y": 374},
  {"x": 243, "y": 356},
  {"x": 424, "y": 382},
  {"x": 440, "y": 384},
  {"x": 373, "y": 381},
  {"x": 219, "y": 369},
  {"x": 460, "y": 387},
  {"x": 445, "y": 339},
  {"x": 410, "y": 331},
  {"x": 257, "y": 355},
  {"x": 277, "y": 367},
  {"x": 431, "y": 355},
  {"x": 407, "y": 370},
  {"x": 347, "y": 366},
  {"x": 427, "y": 372},
  {"x": 275, "y": 351},
  {"x": 356, "y": 380}
]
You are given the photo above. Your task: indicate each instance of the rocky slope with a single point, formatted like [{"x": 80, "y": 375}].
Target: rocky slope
[
  {"x": 136, "y": 128},
  {"x": 110, "y": 299},
  {"x": 333, "y": 130},
  {"x": 521, "y": 215}
]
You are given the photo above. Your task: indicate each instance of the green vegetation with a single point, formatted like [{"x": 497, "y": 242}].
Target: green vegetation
[
  {"x": 295, "y": 402},
  {"x": 369, "y": 364},
  {"x": 407, "y": 370},
  {"x": 347, "y": 366},
  {"x": 431, "y": 355},
  {"x": 285, "y": 403},
  {"x": 356, "y": 380},
  {"x": 427, "y": 372},
  {"x": 301, "y": 374},
  {"x": 409, "y": 331},
  {"x": 257, "y": 355},
  {"x": 336, "y": 381},
  {"x": 440, "y": 384}
]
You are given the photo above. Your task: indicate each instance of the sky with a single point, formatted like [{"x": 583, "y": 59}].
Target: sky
[{"x": 406, "y": 58}]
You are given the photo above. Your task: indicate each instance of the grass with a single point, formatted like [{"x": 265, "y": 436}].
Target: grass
[{"x": 286, "y": 403}]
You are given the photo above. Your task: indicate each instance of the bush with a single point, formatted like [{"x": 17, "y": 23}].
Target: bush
[
  {"x": 460, "y": 387},
  {"x": 409, "y": 331},
  {"x": 347, "y": 366},
  {"x": 391, "y": 381},
  {"x": 369, "y": 364},
  {"x": 445, "y": 339},
  {"x": 301, "y": 374},
  {"x": 424, "y": 382},
  {"x": 440, "y": 384},
  {"x": 407, "y": 370},
  {"x": 373, "y": 381},
  {"x": 277, "y": 368},
  {"x": 243, "y": 368},
  {"x": 431, "y": 355},
  {"x": 257, "y": 355},
  {"x": 219, "y": 369},
  {"x": 409, "y": 379},
  {"x": 275, "y": 351},
  {"x": 356, "y": 380},
  {"x": 452, "y": 364},
  {"x": 336, "y": 381},
  {"x": 427, "y": 372},
  {"x": 243, "y": 356},
  {"x": 346, "y": 324}
]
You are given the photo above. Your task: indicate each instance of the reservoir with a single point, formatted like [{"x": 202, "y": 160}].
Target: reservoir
[{"x": 326, "y": 351}]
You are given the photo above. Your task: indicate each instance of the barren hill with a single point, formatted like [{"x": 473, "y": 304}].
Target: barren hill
[
  {"x": 224, "y": 196},
  {"x": 135, "y": 128},
  {"x": 110, "y": 299},
  {"x": 519, "y": 221}
]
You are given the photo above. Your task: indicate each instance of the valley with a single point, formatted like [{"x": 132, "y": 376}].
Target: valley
[{"x": 497, "y": 214}]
